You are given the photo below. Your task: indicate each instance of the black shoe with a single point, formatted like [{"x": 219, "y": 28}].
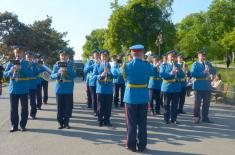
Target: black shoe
[
  {"x": 108, "y": 124},
  {"x": 45, "y": 103},
  {"x": 207, "y": 121},
  {"x": 167, "y": 121},
  {"x": 100, "y": 124},
  {"x": 33, "y": 117},
  {"x": 95, "y": 114},
  {"x": 67, "y": 127},
  {"x": 132, "y": 149},
  {"x": 39, "y": 108},
  {"x": 141, "y": 149},
  {"x": 158, "y": 112},
  {"x": 196, "y": 120},
  {"x": 23, "y": 129},
  {"x": 181, "y": 112},
  {"x": 60, "y": 127},
  {"x": 89, "y": 106},
  {"x": 13, "y": 130},
  {"x": 175, "y": 122}
]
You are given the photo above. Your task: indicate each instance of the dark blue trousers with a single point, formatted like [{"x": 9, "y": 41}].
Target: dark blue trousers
[
  {"x": 0, "y": 87},
  {"x": 71, "y": 105},
  {"x": 136, "y": 119},
  {"x": 89, "y": 101},
  {"x": 14, "y": 116},
  {"x": 45, "y": 90},
  {"x": 64, "y": 105},
  {"x": 93, "y": 97},
  {"x": 171, "y": 101},
  {"x": 182, "y": 99},
  {"x": 155, "y": 95},
  {"x": 105, "y": 107},
  {"x": 202, "y": 97},
  {"x": 39, "y": 95},
  {"x": 32, "y": 98},
  {"x": 118, "y": 88}
]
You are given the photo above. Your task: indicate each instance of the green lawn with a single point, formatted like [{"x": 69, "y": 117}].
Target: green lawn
[
  {"x": 222, "y": 62},
  {"x": 228, "y": 76}
]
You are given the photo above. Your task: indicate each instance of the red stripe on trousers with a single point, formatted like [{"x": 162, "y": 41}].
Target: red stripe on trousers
[{"x": 126, "y": 111}]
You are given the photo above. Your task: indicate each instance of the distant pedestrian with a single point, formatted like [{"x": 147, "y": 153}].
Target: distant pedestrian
[{"x": 228, "y": 60}]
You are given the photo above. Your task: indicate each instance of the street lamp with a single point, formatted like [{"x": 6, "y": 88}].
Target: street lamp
[{"x": 158, "y": 42}]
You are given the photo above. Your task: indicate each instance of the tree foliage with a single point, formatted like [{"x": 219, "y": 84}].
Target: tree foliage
[
  {"x": 40, "y": 36},
  {"x": 139, "y": 21},
  {"x": 95, "y": 40},
  {"x": 212, "y": 29},
  {"x": 228, "y": 41}
]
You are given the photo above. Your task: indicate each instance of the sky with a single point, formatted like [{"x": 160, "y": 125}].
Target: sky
[{"x": 80, "y": 17}]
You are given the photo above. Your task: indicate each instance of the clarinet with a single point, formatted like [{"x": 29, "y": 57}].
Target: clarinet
[
  {"x": 16, "y": 72},
  {"x": 62, "y": 75},
  {"x": 175, "y": 68},
  {"x": 106, "y": 75}
]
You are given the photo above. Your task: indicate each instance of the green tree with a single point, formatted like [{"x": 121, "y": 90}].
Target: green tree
[
  {"x": 95, "y": 40},
  {"x": 228, "y": 41},
  {"x": 140, "y": 21},
  {"x": 12, "y": 31},
  {"x": 192, "y": 34},
  {"x": 208, "y": 29},
  {"x": 39, "y": 36},
  {"x": 221, "y": 18},
  {"x": 47, "y": 40}
]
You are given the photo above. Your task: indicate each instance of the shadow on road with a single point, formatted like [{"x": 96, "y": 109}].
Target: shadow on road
[{"x": 88, "y": 129}]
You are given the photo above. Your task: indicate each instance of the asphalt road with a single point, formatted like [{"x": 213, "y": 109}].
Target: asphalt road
[{"x": 85, "y": 137}]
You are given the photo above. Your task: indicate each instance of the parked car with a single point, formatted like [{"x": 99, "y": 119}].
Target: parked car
[{"x": 78, "y": 67}]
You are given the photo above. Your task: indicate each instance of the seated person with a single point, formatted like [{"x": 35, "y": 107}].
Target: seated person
[{"x": 217, "y": 84}]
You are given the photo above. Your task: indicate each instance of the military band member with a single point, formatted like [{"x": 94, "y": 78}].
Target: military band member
[
  {"x": 33, "y": 73},
  {"x": 38, "y": 63},
  {"x": 88, "y": 68},
  {"x": 183, "y": 82},
  {"x": 17, "y": 71},
  {"x": 92, "y": 81},
  {"x": 164, "y": 61},
  {"x": 171, "y": 72},
  {"x": 164, "y": 58},
  {"x": 44, "y": 85},
  {"x": 154, "y": 86},
  {"x": 136, "y": 73},
  {"x": 129, "y": 57},
  {"x": 104, "y": 89},
  {"x": 202, "y": 71},
  {"x": 113, "y": 60},
  {"x": 118, "y": 83},
  {"x": 64, "y": 74}
]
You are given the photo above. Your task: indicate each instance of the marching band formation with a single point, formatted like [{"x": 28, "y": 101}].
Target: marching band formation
[{"x": 143, "y": 85}]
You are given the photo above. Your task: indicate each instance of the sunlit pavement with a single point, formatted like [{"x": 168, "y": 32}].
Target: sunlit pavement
[{"x": 86, "y": 137}]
